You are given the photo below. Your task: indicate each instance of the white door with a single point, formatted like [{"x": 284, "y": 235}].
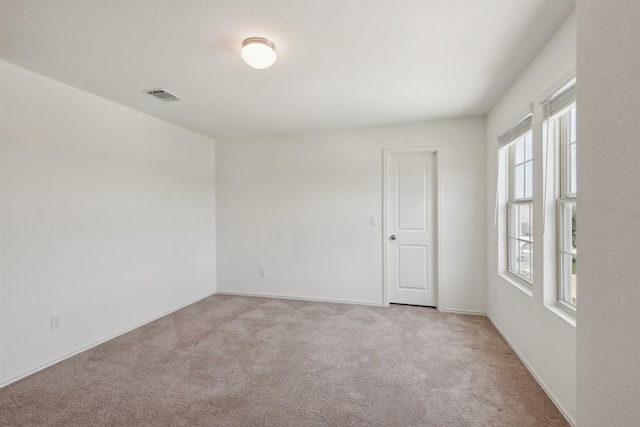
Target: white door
[{"x": 410, "y": 225}]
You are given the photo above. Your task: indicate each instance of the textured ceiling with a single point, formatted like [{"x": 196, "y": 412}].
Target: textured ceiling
[{"x": 340, "y": 63}]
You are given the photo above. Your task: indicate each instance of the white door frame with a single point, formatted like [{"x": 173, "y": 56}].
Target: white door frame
[{"x": 386, "y": 152}]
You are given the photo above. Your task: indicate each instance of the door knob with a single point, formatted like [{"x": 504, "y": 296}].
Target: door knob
[{"x": 393, "y": 237}]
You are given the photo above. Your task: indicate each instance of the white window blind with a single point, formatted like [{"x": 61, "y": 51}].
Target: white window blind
[
  {"x": 519, "y": 129},
  {"x": 559, "y": 101}
]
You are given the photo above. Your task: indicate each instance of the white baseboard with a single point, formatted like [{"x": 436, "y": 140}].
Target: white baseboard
[
  {"x": 456, "y": 311},
  {"x": 97, "y": 343},
  {"x": 312, "y": 299},
  {"x": 524, "y": 361}
]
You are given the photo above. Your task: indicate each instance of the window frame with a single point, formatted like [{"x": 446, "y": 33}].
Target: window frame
[
  {"x": 512, "y": 200},
  {"x": 565, "y": 198}
]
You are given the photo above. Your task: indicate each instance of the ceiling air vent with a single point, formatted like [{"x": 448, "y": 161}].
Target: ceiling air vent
[{"x": 162, "y": 95}]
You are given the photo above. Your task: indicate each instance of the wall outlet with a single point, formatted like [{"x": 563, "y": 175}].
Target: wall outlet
[
  {"x": 374, "y": 221},
  {"x": 261, "y": 272},
  {"x": 55, "y": 322}
]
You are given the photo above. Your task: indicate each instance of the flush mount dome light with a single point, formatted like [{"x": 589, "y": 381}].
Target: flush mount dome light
[{"x": 258, "y": 52}]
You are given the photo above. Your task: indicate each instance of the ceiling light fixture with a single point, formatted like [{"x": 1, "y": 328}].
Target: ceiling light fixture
[{"x": 258, "y": 52}]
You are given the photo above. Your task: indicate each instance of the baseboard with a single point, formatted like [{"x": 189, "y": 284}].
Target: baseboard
[
  {"x": 97, "y": 343},
  {"x": 456, "y": 311},
  {"x": 524, "y": 361},
  {"x": 289, "y": 297}
]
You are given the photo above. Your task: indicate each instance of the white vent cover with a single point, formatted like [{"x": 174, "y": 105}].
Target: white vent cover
[{"x": 162, "y": 95}]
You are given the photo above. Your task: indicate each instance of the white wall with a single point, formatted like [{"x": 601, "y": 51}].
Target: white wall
[
  {"x": 107, "y": 219},
  {"x": 299, "y": 206},
  {"x": 544, "y": 339},
  {"x": 609, "y": 213}
]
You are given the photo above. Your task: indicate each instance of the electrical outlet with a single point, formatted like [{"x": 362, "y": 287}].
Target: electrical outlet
[
  {"x": 261, "y": 272},
  {"x": 55, "y": 322},
  {"x": 374, "y": 221}
]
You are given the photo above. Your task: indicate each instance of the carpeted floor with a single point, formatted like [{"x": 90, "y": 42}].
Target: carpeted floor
[{"x": 241, "y": 361}]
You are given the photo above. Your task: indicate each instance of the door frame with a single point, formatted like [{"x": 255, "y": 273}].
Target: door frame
[{"x": 386, "y": 153}]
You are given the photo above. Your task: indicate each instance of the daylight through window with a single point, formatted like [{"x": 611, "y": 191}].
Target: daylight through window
[{"x": 520, "y": 208}]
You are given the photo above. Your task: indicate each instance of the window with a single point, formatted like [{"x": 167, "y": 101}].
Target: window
[
  {"x": 520, "y": 208},
  {"x": 559, "y": 115},
  {"x": 566, "y": 201},
  {"x": 515, "y": 152}
]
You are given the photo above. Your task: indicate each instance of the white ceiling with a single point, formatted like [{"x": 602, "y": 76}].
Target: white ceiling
[{"x": 340, "y": 63}]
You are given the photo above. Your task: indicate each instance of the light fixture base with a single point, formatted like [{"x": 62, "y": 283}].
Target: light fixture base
[{"x": 261, "y": 40}]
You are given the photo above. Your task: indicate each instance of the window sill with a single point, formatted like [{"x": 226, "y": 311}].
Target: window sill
[
  {"x": 564, "y": 313},
  {"x": 518, "y": 283}
]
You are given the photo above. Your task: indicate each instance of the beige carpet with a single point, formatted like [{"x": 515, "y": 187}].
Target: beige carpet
[{"x": 240, "y": 361}]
